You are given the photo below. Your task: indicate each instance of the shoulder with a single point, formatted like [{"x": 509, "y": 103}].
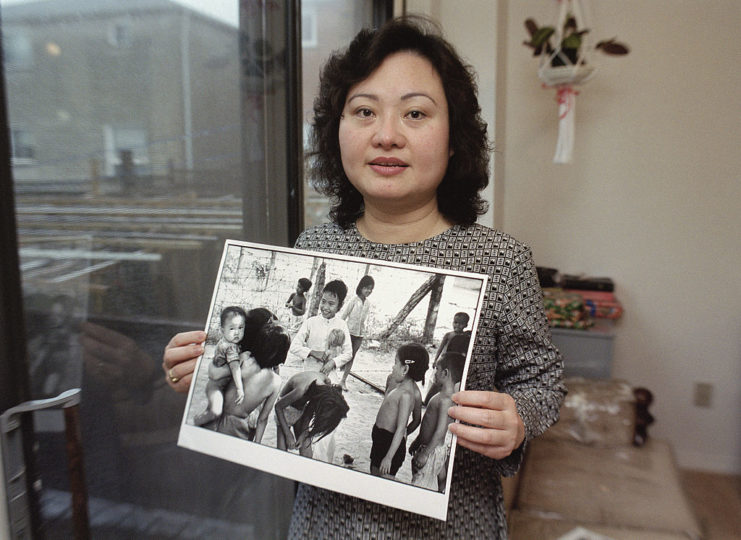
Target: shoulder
[
  {"x": 275, "y": 380},
  {"x": 493, "y": 252},
  {"x": 481, "y": 235},
  {"x": 407, "y": 393}
]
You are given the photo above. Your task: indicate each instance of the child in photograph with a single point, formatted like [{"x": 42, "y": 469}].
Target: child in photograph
[
  {"x": 335, "y": 340},
  {"x": 390, "y": 428},
  {"x": 248, "y": 419},
  {"x": 460, "y": 322},
  {"x": 309, "y": 409},
  {"x": 456, "y": 340},
  {"x": 311, "y": 341},
  {"x": 355, "y": 313},
  {"x": 296, "y": 304},
  {"x": 431, "y": 448},
  {"x": 226, "y": 364}
]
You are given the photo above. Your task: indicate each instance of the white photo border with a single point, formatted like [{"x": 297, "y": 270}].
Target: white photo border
[{"x": 307, "y": 470}]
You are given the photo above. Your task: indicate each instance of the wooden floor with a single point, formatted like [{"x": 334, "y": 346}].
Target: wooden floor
[{"x": 716, "y": 499}]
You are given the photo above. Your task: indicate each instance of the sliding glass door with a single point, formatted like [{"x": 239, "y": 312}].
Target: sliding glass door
[{"x": 140, "y": 136}]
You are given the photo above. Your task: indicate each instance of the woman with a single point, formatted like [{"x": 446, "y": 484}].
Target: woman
[{"x": 401, "y": 150}]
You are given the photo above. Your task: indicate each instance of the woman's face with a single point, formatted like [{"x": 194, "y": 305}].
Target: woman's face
[{"x": 394, "y": 134}]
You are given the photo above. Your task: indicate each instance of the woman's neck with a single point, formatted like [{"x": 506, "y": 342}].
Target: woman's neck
[{"x": 386, "y": 228}]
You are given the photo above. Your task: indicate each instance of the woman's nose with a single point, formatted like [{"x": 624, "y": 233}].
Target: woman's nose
[{"x": 388, "y": 133}]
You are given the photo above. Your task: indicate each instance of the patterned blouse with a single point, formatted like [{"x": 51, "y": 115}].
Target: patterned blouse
[{"x": 513, "y": 353}]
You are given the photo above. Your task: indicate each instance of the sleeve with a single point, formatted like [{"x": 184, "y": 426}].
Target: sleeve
[
  {"x": 529, "y": 366},
  {"x": 232, "y": 353},
  {"x": 298, "y": 343}
]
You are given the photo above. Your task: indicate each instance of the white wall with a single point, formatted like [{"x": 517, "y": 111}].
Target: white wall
[{"x": 652, "y": 198}]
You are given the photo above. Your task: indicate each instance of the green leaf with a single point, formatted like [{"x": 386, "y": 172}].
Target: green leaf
[
  {"x": 571, "y": 42},
  {"x": 542, "y": 35},
  {"x": 531, "y": 26},
  {"x": 611, "y": 46}
]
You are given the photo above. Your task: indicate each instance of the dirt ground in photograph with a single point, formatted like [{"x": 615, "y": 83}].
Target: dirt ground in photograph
[{"x": 353, "y": 436}]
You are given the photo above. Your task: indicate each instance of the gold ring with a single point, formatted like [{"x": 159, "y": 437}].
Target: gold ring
[{"x": 173, "y": 378}]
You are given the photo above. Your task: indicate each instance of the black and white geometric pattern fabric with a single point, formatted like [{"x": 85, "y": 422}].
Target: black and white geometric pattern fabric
[{"x": 513, "y": 353}]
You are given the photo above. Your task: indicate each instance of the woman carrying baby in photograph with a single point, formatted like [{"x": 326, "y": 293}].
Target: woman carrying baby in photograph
[
  {"x": 401, "y": 150},
  {"x": 264, "y": 347}
]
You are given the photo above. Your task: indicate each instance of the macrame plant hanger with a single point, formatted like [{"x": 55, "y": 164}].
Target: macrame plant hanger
[{"x": 563, "y": 69}]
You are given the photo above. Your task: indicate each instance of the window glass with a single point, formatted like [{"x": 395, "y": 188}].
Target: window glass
[
  {"x": 17, "y": 50},
  {"x": 133, "y": 138},
  {"x": 128, "y": 139}
]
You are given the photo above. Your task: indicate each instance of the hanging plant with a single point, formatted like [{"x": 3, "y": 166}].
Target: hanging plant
[
  {"x": 563, "y": 50},
  {"x": 569, "y": 48}
]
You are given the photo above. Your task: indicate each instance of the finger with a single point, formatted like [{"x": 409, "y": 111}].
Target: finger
[
  {"x": 183, "y": 384},
  {"x": 487, "y": 418},
  {"x": 187, "y": 338},
  {"x": 482, "y": 399},
  {"x": 182, "y": 353},
  {"x": 478, "y": 435},
  {"x": 177, "y": 373},
  {"x": 494, "y": 452}
]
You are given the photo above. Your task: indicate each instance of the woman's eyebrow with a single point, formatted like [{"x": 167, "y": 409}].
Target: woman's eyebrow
[
  {"x": 367, "y": 96},
  {"x": 411, "y": 95},
  {"x": 405, "y": 97}
]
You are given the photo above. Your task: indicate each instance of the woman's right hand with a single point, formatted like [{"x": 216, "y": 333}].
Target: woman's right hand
[{"x": 179, "y": 359}]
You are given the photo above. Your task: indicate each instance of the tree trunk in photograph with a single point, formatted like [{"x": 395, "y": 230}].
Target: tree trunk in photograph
[
  {"x": 317, "y": 286},
  {"x": 434, "y": 307},
  {"x": 415, "y": 299}
]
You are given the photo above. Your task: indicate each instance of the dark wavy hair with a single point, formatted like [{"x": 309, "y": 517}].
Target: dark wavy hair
[
  {"x": 271, "y": 346},
  {"x": 455, "y": 363},
  {"x": 339, "y": 289},
  {"x": 415, "y": 356},
  {"x": 467, "y": 174},
  {"x": 265, "y": 338},
  {"x": 229, "y": 311},
  {"x": 365, "y": 281},
  {"x": 325, "y": 408}
]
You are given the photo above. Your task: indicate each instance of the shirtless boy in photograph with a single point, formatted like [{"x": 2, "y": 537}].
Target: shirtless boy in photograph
[
  {"x": 430, "y": 450},
  {"x": 390, "y": 429}
]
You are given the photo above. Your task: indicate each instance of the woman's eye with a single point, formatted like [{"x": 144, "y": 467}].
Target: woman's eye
[
  {"x": 416, "y": 115},
  {"x": 364, "y": 113}
]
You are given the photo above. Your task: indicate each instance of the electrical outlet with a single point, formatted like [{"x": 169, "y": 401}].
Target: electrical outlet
[{"x": 703, "y": 394}]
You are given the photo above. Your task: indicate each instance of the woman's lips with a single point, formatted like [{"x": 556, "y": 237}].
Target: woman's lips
[{"x": 388, "y": 166}]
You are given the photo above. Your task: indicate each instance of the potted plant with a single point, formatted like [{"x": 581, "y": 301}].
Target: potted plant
[{"x": 568, "y": 50}]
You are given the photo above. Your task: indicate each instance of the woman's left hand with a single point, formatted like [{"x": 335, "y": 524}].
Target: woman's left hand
[{"x": 496, "y": 428}]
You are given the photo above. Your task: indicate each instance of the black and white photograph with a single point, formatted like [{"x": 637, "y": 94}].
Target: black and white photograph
[{"x": 335, "y": 371}]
